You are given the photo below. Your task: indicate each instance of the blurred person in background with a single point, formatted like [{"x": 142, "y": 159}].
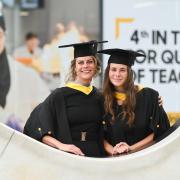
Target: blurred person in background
[
  {"x": 60, "y": 31},
  {"x": 29, "y": 54},
  {"x": 4, "y": 66},
  {"x": 21, "y": 88},
  {"x": 51, "y": 59},
  {"x": 83, "y": 36},
  {"x": 5, "y": 83}
]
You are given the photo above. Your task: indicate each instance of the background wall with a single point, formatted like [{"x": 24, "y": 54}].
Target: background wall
[{"x": 42, "y": 21}]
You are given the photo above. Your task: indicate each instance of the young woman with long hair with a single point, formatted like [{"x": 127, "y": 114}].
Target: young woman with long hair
[{"x": 133, "y": 116}]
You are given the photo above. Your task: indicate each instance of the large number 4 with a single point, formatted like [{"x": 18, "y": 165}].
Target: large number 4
[{"x": 134, "y": 37}]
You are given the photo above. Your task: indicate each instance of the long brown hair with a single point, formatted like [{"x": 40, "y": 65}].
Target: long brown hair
[
  {"x": 128, "y": 105},
  {"x": 72, "y": 73}
]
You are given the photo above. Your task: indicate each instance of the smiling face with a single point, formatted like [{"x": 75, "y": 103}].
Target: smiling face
[
  {"x": 85, "y": 68},
  {"x": 118, "y": 74}
]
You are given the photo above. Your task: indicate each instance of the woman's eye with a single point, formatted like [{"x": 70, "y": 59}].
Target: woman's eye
[
  {"x": 122, "y": 70},
  {"x": 113, "y": 69},
  {"x": 80, "y": 62},
  {"x": 90, "y": 61}
]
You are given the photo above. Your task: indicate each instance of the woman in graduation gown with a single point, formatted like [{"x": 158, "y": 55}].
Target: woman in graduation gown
[
  {"x": 133, "y": 116},
  {"x": 70, "y": 118},
  {"x": 4, "y": 66}
]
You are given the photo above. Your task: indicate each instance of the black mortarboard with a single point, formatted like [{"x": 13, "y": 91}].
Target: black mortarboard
[
  {"x": 85, "y": 48},
  {"x": 2, "y": 23},
  {"x": 121, "y": 56}
]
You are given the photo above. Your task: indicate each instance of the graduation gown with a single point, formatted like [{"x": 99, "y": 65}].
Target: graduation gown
[
  {"x": 66, "y": 112},
  {"x": 4, "y": 78},
  {"x": 149, "y": 118}
]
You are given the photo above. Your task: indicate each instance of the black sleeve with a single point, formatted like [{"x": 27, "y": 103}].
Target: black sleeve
[
  {"x": 49, "y": 118},
  {"x": 159, "y": 122},
  {"x": 42, "y": 120},
  {"x": 32, "y": 126}
]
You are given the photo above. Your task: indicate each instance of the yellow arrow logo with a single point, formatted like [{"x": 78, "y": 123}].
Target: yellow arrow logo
[{"x": 119, "y": 21}]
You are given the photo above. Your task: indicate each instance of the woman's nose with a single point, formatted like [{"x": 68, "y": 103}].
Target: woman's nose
[
  {"x": 85, "y": 64},
  {"x": 117, "y": 74}
]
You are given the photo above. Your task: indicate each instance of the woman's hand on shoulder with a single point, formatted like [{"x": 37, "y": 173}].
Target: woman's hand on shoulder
[
  {"x": 120, "y": 148},
  {"x": 160, "y": 100},
  {"x": 71, "y": 148}
]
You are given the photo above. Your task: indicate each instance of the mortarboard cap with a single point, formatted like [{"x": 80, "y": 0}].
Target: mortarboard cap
[
  {"x": 85, "y": 48},
  {"x": 121, "y": 56},
  {"x": 2, "y": 23}
]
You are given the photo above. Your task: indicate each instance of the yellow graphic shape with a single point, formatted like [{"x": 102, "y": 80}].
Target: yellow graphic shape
[{"x": 119, "y": 21}]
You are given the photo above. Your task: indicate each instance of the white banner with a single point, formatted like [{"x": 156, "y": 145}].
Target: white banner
[{"x": 151, "y": 27}]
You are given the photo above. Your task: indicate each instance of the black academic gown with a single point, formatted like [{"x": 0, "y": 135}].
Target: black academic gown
[
  {"x": 4, "y": 78},
  {"x": 149, "y": 118},
  {"x": 66, "y": 112}
]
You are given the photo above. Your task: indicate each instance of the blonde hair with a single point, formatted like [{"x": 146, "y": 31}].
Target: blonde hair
[{"x": 72, "y": 74}]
